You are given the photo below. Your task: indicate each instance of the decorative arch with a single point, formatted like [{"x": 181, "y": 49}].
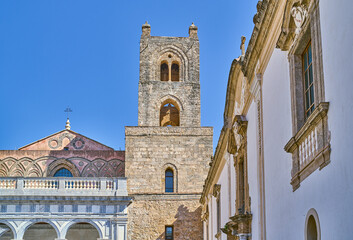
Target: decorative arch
[
  {"x": 171, "y": 54},
  {"x": 67, "y": 226},
  {"x": 175, "y": 175},
  {"x": 173, "y": 99},
  {"x": 90, "y": 171},
  {"x": 62, "y": 163},
  {"x": 28, "y": 224},
  {"x": 8, "y": 224},
  {"x": 312, "y": 218},
  {"x": 3, "y": 170}
]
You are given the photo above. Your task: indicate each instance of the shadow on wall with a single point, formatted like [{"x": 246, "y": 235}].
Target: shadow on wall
[{"x": 187, "y": 225}]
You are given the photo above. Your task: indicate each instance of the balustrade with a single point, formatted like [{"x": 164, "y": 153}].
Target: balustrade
[
  {"x": 308, "y": 148},
  {"x": 62, "y": 186},
  {"x": 8, "y": 183}
]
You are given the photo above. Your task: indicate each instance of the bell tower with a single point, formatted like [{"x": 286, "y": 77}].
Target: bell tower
[
  {"x": 169, "y": 86},
  {"x": 167, "y": 154}
]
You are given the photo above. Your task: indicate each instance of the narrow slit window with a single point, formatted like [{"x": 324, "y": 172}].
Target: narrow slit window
[
  {"x": 218, "y": 213},
  {"x": 169, "y": 180},
  {"x": 175, "y": 72},
  {"x": 164, "y": 72}
]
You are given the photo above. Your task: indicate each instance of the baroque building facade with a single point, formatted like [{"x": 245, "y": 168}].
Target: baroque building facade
[
  {"x": 281, "y": 166},
  {"x": 68, "y": 186}
]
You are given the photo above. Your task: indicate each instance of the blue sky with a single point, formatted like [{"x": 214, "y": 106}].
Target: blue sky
[{"x": 85, "y": 54}]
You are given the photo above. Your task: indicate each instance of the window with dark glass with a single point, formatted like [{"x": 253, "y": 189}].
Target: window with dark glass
[
  {"x": 169, "y": 233},
  {"x": 219, "y": 213},
  {"x": 309, "y": 105},
  {"x": 175, "y": 72},
  {"x": 241, "y": 187},
  {"x": 169, "y": 181},
  {"x": 63, "y": 172},
  {"x": 164, "y": 72}
]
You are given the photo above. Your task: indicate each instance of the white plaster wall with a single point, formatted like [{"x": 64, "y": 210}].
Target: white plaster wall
[
  {"x": 329, "y": 191},
  {"x": 277, "y": 131},
  {"x": 252, "y": 167},
  {"x": 232, "y": 186},
  {"x": 227, "y": 182},
  {"x": 224, "y": 182}
]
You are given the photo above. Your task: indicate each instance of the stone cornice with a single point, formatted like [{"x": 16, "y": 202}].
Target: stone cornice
[
  {"x": 72, "y": 199},
  {"x": 167, "y": 197},
  {"x": 168, "y": 131},
  {"x": 221, "y": 148},
  {"x": 263, "y": 19},
  {"x": 233, "y": 82}
]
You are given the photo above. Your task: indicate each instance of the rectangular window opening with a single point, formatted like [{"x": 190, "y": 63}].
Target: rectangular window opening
[
  {"x": 309, "y": 103},
  {"x": 169, "y": 232}
]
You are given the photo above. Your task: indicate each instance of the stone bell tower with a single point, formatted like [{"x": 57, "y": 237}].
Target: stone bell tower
[
  {"x": 167, "y": 154},
  {"x": 169, "y": 75}
]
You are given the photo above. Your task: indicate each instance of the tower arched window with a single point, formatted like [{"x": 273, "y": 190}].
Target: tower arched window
[
  {"x": 164, "y": 72},
  {"x": 169, "y": 115},
  {"x": 169, "y": 180},
  {"x": 175, "y": 72},
  {"x": 63, "y": 172}
]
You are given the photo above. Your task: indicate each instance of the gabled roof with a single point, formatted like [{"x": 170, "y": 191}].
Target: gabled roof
[{"x": 66, "y": 139}]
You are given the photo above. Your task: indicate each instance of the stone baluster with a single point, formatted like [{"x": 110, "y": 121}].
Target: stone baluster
[
  {"x": 20, "y": 183},
  {"x": 104, "y": 184}
]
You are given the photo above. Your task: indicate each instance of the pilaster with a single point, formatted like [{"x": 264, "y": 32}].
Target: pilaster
[{"x": 256, "y": 90}]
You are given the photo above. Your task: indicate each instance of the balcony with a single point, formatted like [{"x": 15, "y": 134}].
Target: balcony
[
  {"x": 63, "y": 186},
  {"x": 310, "y": 147}
]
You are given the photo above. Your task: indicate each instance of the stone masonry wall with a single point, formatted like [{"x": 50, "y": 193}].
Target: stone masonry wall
[
  {"x": 150, "y": 150},
  {"x": 152, "y": 91},
  {"x": 148, "y": 218}
]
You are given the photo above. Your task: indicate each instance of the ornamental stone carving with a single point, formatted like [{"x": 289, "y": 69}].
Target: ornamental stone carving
[{"x": 299, "y": 15}]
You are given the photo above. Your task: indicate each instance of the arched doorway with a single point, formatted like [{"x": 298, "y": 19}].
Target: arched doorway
[
  {"x": 82, "y": 231},
  {"x": 40, "y": 230},
  {"x": 6, "y": 232}
]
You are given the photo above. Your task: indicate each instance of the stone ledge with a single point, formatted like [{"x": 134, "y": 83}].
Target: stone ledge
[
  {"x": 168, "y": 131},
  {"x": 321, "y": 160},
  {"x": 318, "y": 114},
  {"x": 73, "y": 199},
  {"x": 169, "y": 197}
]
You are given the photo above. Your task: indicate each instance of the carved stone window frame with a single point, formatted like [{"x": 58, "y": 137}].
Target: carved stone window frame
[
  {"x": 310, "y": 144},
  {"x": 217, "y": 194},
  {"x": 312, "y": 213},
  {"x": 170, "y": 58}
]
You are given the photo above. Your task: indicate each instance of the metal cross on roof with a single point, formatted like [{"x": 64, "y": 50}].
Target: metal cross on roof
[{"x": 68, "y": 110}]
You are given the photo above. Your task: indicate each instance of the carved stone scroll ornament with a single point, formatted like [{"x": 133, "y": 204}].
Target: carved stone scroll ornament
[
  {"x": 216, "y": 190},
  {"x": 299, "y": 15},
  {"x": 205, "y": 213}
]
